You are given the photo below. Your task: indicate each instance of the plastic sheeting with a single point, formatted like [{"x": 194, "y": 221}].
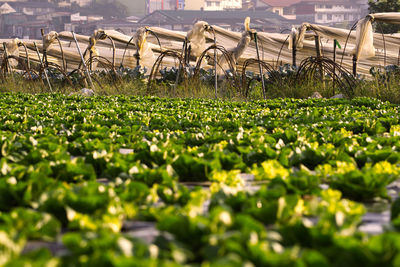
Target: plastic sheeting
[
  {"x": 388, "y": 17},
  {"x": 12, "y": 50},
  {"x": 364, "y": 40},
  {"x": 49, "y": 39},
  {"x": 371, "y": 49},
  {"x": 197, "y": 38}
]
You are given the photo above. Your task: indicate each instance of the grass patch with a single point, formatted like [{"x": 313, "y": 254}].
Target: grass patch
[{"x": 385, "y": 87}]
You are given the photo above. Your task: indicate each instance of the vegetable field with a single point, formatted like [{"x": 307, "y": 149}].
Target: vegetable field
[{"x": 146, "y": 181}]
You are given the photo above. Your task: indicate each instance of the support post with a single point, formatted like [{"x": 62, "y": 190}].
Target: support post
[
  {"x": 259, "y": 65},
  {"x": 317, "y": 40},
  {"x": 334, "y": 56},
  {"x": 294, "y": 50},
  {"x": 5, "y": 57},
  {"x": 183, "y": 61},
  {"x": 398, "y": 58},
  {"x": 215, "y": 68},
  {"x": 46, "y": 62},
  {"x": 43, "y": 66},
  {"x": 354, "y": 66},
  {"x": 334, "y": 64},
  {"x": 83, "y": 61},
  {"x": 91, "y": 60}
]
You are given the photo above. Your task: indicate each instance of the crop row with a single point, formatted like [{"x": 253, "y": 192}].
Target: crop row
[{"x": 75, "y": 171}]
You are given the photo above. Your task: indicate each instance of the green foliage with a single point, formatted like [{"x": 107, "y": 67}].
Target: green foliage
[
  {"x": 264, "y": 183},
  {"x": 377, "y": 6}
]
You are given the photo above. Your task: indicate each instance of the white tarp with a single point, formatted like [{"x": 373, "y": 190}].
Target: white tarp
[{"x": 371, "y": 49}]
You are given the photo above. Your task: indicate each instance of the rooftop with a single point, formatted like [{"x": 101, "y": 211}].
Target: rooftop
[
  {"x": 182, "y": 16},
  {"x": 286, "y": 3},
  {"x": 111, "y": 22},
  {"x": 32, "y": 4},
  {"x": 328, "y": 1},
  {"x": 281, "y": 3}
]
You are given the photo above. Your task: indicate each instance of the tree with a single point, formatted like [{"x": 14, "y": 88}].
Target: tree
[{"x": 377, "y": 6}]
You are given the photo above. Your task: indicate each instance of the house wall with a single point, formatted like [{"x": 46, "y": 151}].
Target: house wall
[
  {"x": 215, "y": 5},
  {"x": 277, "y": 10},
  {"x": 333, "y": 13},
  {"x": 153, "y": 5},
  {"x": 194, "y": 4},
  {"x": 231, "y": 4},
  {"x": 82, "y": 2},
  {"x": 36, "y": 11},
  {"x": 304, "y": 9},
  {"x": 328, "y": 12},
  {"x": 135, "y": 7}
]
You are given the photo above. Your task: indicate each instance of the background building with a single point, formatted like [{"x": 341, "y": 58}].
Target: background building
[
  {"x": 232, "y": 19},
  {"x": 194, "y": 4},
  {"x": 328, "y": 12}
]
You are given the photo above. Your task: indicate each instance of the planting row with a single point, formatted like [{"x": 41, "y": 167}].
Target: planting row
[{"x": 274, "y": 183}]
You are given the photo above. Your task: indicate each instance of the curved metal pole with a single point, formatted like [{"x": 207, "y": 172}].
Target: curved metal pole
[
  {"x": 113, "y": 47},
  {"x": 347, "y": 40},
  {"x": 130, "y": 42},
  {"x": 155, "y": 35},
  {"x": 384, "y": 45},
  {"x": 179, "y": 67},
  {"x": 280, "y": 50},
  {"x": 26, "y": 54},
  {"x": 62, "y": 55},
  {"x": 262, "y": 49},
  {"x": 126, "y": 48},
  {"x": 28, "y": 64},
  {"x": 158, "y": 40}
]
